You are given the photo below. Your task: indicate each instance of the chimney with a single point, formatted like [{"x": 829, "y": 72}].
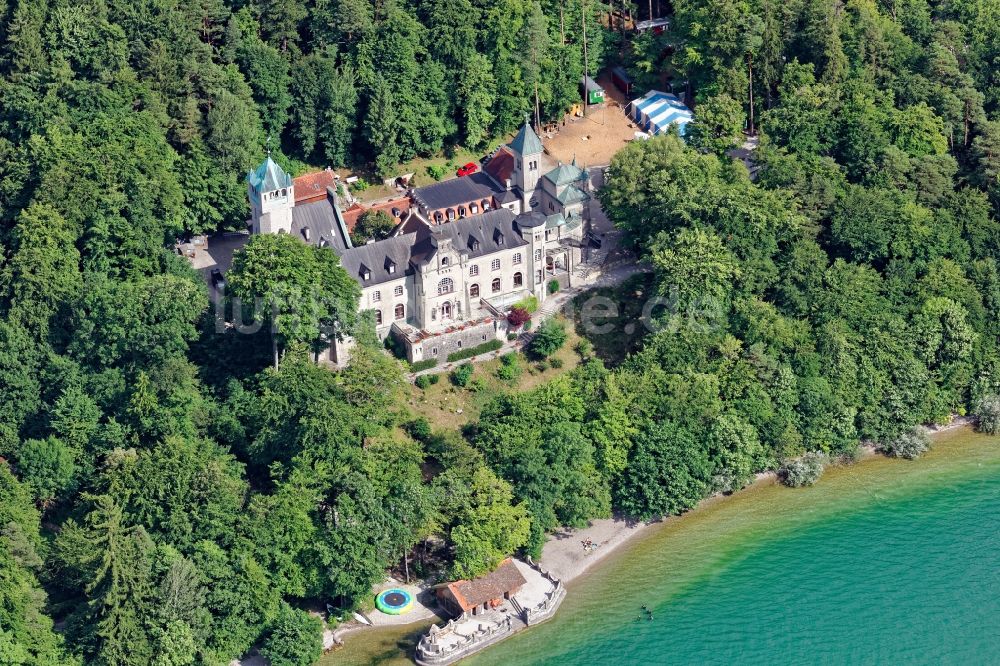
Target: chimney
[
  {"x": 508, "y": 184},
  {"x": 305, "y": 232}
]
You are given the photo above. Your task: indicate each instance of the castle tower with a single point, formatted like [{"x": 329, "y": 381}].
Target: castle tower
[
  {"x": 527, "y": 149},
  {"x": 272, "y": 197}
]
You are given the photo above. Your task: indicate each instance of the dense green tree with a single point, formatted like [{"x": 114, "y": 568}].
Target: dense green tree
[
  {"x": 718, "y": 127},
  {"x": 668, "y": 472},
  {"x": 47, "y": 467},
  {"x": 489, "y": 527},
  {"x": 303, "y": 291},
  {"x": 296, "y": 638},
  {"x": 373, "y": 225}
]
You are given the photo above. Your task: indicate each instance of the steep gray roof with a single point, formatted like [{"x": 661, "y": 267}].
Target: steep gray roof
[
  {"x": 486, "y": 228},
  {"x": 269, "y": 177},
  {"x": 456, "y": 191},
  {"x": 526, "y": 142},
  {"x": 375, "y": 258},
  {"x": 324, "y": 222}
]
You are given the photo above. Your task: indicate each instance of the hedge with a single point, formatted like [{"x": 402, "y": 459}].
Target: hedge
[
  {"x": 463, "y": 354},
  {"x": 425, "y": 364}
]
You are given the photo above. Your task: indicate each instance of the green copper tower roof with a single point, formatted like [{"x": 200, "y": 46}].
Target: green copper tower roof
[
  {"x": 269, "y": 177},
  {"x": 526, "y": 142}
]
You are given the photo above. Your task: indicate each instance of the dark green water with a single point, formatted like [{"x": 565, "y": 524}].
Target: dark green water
[{"x": 884, "y": 562}]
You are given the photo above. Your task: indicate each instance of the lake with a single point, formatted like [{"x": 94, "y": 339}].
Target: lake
[{"x": 886, "y": 561}]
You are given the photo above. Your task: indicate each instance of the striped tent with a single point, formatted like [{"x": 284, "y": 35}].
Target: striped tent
[{"x": 656, "y": 111}]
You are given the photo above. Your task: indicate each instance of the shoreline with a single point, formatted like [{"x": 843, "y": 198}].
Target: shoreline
[{"x": 564, "y": 556}]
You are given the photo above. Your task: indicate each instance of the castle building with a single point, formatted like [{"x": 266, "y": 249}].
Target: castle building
[{"x": 468, "y": 250}]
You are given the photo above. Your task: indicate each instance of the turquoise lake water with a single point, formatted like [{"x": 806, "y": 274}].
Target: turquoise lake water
[{"x": 884, "y": 562}]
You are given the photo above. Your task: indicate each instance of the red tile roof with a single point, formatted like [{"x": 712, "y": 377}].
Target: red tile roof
[
  {"x": 471, "y": 593},
  {"x": 402, "y": 205},
  {"x": 312, "y": 186},
  {"x": 501, "y": 166}
]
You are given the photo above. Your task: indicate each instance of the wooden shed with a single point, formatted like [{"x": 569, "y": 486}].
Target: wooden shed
[{"x": 622, "y": 80}]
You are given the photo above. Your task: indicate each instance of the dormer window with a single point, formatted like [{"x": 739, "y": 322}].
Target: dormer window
[
  {"x": 498, "y": 237},
  {"x": 365, "y": 272},
  {"x": 390, "y": 266},
  {"x": 444, "y": 261}
]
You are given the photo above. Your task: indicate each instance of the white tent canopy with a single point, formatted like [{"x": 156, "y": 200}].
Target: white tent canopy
[{"x": 656, "y": 111}]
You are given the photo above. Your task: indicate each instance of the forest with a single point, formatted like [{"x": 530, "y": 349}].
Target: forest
[{"x": 167, "y": 497}]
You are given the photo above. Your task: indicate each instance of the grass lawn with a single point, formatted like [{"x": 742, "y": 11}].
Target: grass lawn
[
  {"x": 418, "y": 167},
  {"x": 447, "y": 406}
]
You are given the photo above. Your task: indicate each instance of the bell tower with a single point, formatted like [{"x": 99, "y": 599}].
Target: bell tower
[
  {"x": 272, "y": 197},
  {"x": 527, "y": 149}
]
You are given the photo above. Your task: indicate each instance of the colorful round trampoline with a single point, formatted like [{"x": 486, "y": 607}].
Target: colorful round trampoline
[{"x": 394, "y": 601}]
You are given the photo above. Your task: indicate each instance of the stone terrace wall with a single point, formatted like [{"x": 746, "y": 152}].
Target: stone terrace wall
[{"x": 430, "y": 653}]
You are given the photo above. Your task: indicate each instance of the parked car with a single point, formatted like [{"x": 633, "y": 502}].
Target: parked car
[
  {"x": 469, "y": 168},
  {"x": 218, "y": 281}
]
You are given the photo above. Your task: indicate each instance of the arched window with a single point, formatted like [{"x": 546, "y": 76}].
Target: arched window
[
  {"x": 446, "y": 311},
  {"x": 496, "y": 285},
  {"x": 400, "y": 311},
  {"x": 518, "y": 280},
  {"x": 444, "y": 261},
  {"x": 378, "y": 317},
  {"x": 446, "y": 286},
  {"x": 474, "y": 291}
]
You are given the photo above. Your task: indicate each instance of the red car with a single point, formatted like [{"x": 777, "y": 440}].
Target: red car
[{"x": 469, "y": 168}]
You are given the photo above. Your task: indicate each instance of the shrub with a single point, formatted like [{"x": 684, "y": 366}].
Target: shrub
[
  {"x": 461, "y": 375},
  {"x": 296, "y": 638},
  {"x": 462, "y": 354},
  {"x": 437, "y": 171},
  {"x": 360, "y": 185},
  {"x": 527, "y": 325},
  {"x": 542, "y": 365},
  {"x": 909, "y": 444},
  {"x": 425, "y": 364},
  {"x": 988, "y": 415},
  {"x": 550, "y": 337},
  {"x": 511, "y": 337},
  {"x": 584, "y": 348},
  {"x": 419, "y": 429},
  {"x": 476, "y": 385},
  {"x": 510, "y": 368},
  {"x": 803, "y": 471},
  {"x": 556, "y": 362},
  {"x": 553, "y": 286},
  {"x": 434, "y": 378},
  {"x": 518, "y": 316},
  {"x": 423, "y": 382}
]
